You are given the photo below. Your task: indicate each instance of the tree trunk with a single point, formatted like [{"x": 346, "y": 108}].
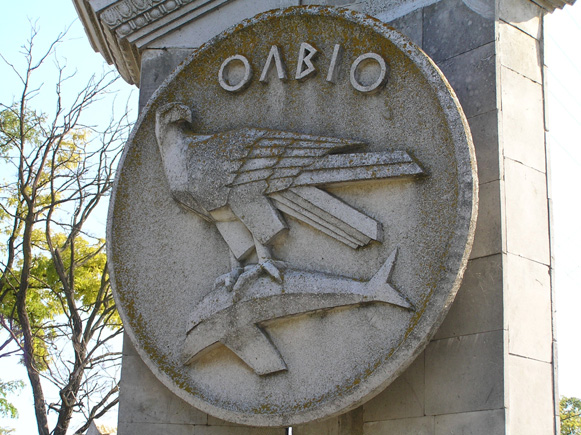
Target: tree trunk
[{"x": 29, "y": 360}]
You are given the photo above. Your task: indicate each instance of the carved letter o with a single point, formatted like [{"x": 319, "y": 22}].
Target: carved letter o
[
  {"x": 245, "y": 79},
  {"x": 382, "y": 73}
]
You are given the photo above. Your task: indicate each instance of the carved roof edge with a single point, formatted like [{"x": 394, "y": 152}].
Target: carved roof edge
[
  {"x": 118, "y": 51},
  {"x": 551, "y": 5},
  {"x": 120, "y": 29}
]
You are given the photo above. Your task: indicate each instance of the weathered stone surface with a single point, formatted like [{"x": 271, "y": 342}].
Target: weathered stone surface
[
  {"x": 465, "y": 374},
  {"x": 227, "y": 14},
  {"x": 523, "y": 128},
  {"x": 445, "y": 21},
  {"x": 528, "y": 288},
  {"x": 404, "y": 398},
  {"x": 180, "y": 429},
  {"x": 473, "y": 77},
  {"x": 411, "y": 25},
  {"x": 238, "y": 430},
  {"x": 530, "y": 396},
  {"x": 519, "y": 52},
  {"x": 350, "y": 423},
  {"x": 488, "y": 237},
  {"x": 404, "y": 426},
  {"x": 472, "y": 423},
  {"x": 131, "y": 428},
  {"x": 167, "y": 260},
  {"x": 484, "y": 130},
  {"x": 479, "y": 304},
  {"x": 156, "y": 65},
  {"x": 526, "y": 212},
  {"x": 523, "y": 14},
  {"x": 145, "y": 400}
]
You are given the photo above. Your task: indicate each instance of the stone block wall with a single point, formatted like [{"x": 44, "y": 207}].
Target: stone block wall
[{"x": 490, "y": 368}]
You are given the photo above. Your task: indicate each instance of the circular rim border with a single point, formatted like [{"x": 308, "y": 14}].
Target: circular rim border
[{"x": 460, "y": 247}]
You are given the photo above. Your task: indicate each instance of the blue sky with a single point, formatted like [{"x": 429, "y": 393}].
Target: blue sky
[{"x": 563, "y": 56}]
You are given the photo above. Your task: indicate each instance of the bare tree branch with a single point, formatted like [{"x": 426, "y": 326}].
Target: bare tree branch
[{"x": 55, "y": 295}]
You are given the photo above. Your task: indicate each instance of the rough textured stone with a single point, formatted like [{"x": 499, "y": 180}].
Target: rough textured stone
[
  {"x": 473, "y": 77},
  {"x": 530, "y": 396},
  {"x": 522, "y": 120},
  {"x": 157, "y": 64},
  {"x": 411, "y": 25},
  {"x": 402, "y": 399},
  {"x": 350, "y": 423},
  {"x": 479, "y": 304},
  {"x": 446, "y": 20},
  {"x": 472, "y": 423},
  {"x": 130, "y": 428},
  {"x": 484, "y": 130},
  {"x": 526, "y": 212},
  {"x": 465, "y": 374},
  {"x": 520, "y": 52},
  {"x": 404, "y": 426},
  {"x": 238, "y": 430},
  {"x": 313, "y": 356},
  {"x": 525, "y": 383},
  {"x": 488, "y": 238},
  {"x": 227, "y": 15},
  {"x": 145, "y": 400},
  {"x": 528, "y": 288},
  {"x": 389, "y": 11},
  {"x": 523, "y": 14}
]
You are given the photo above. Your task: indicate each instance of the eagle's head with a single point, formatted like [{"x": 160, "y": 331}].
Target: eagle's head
[{"x": 168, "y": 114}]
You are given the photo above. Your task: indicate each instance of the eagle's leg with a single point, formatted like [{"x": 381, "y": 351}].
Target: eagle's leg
[
  {"x": 266, "y": 264},
  {"x": 229, "y": 279}
]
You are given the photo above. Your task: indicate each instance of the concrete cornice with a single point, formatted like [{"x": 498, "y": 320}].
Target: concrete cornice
[{"x": 121, "y": 29}]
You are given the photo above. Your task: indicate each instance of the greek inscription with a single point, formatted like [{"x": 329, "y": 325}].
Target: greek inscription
[
  {"x": 368, "y": 72},
  {"x": 229, "y": 73},
  {"x": 365, "y": 60},
  {"x": 335, "y": 59},
  {"x": 306, "y": 53},
  {"x": 279, "y": 65}
]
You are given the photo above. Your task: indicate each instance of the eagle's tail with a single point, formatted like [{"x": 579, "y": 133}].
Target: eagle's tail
[{"x": 329, "y": 215}]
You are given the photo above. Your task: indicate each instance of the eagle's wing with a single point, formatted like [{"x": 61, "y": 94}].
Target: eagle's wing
[
  {"x": 287, "y": 166},
  {"x": 278, "y": 157}
]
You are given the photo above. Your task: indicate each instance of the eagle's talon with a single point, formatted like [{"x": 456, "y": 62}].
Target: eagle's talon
[
  {"x": 252, "y": 271},
  {"x": 270, "y": 267},
  {"x": 228, "y": 280}
]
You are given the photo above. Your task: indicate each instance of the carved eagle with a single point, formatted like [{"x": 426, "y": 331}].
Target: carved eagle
[{"x": 242, "y": 179}]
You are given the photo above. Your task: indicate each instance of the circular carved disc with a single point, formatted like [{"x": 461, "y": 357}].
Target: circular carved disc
[{"x": 345, "y": 321}]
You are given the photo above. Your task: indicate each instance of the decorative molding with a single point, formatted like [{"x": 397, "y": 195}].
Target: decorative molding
[
  {"x": 120, "y": 29},
  {"x": 551, "y": 5},
  {"x": 128, "y": 16}
]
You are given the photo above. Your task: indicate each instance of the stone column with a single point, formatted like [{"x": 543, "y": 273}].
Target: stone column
[{"x": 490, "y": 368}]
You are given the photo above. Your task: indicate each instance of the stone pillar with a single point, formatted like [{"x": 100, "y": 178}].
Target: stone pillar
[{"x": 490, "y": 368}]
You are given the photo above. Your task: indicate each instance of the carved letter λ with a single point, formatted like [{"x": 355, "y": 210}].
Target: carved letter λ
[
  {"x": 305, "y": 58},
  {"x": 280, "y": 69}
]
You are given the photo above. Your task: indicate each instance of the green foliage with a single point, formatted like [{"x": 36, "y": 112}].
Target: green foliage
[
  {"x": 7, "y": 409},
  {"x": 57, "y": 313},
  {"x": 83, "y": 261},
  {"x": 570, "y": 410}
]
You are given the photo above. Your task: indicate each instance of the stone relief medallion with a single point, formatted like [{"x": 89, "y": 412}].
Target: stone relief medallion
[{"x": 292, "y": 216}]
